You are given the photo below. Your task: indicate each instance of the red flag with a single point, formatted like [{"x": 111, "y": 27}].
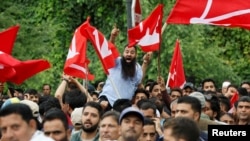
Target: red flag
[
  {"x": 176, "y": 72},
  {"x": 7, "y": 39},
  {"x": 16, "y": 71},
  {"x": 235, "y": 13},
  {"x": 6, "y": 66},
  {"x": 107, "y": 52},
  {"x": 234, "y": 98},
  {"x": 6, "y": 71},
  {"x": 136, "y": 12},
  {"x": 27, "y": 69},
  {"x": 77, "y": 62},
  {"x": 148, "y": 33}
]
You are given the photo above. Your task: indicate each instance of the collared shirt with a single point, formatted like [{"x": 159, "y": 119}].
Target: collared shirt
[
  {"x": 125, "y": 88},
  {"x": 39, "y": 136},
  {"x": 77, "y": 136}
]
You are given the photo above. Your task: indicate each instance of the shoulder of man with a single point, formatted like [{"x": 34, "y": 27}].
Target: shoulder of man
[
  {"x": 76, "y": 136},
  {"x": 203, "y": 136},
  {"x": 39, "y": 136}
]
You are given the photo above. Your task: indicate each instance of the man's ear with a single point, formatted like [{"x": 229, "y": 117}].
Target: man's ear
[
  {"x": 197, "y": 116},
  {"x": 33, "y": 124}
]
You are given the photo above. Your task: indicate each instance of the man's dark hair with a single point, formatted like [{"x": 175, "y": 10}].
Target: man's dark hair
[
  {"x": 148, "y": 105},
  {"x": 94, "y": 105},
  {"x": 141, "y": 91},
  {"x": 56, "y": 113},
  {"x": 194, "y": 102},
  {"x": 75, "y": 98},
  {"x": 94, "y": 93},
  {"x": 176, "y": 89},
  {"x": 181, "y": 127},
  {"x": 50, "y": 103},
  {"x": 152, "y": 85},
  {"x": 121, "y": 104},
  {"x": 245, "y": 82},
  {"x": 242, "y": 91},
  {"x": 46, "y": 84},
  {"x": 31, "y": 91},
  {"x": 244, "y": 99},
  {"x": 148, "y": 121},
  {"x": 114, "y": 114},
  {"x": 225, "y": 101},
  {"x": 214, "y": 104},
  {"x": 17, "y": 108},
  {"x": 159, "y": 104},
  {"x": 207, "y": 80}
]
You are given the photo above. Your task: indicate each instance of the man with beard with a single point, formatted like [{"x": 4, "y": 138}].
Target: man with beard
[
  {"x": 55, "y": 125},
  {"x": 124, "y": 77},
  {"x": 91, "y": 115},
  {"x": 131, "y": 123}
]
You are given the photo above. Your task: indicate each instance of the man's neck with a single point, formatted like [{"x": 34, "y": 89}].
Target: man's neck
[
  {"x": 87, "y": 136},
  {"x": 243, "y": 122}
]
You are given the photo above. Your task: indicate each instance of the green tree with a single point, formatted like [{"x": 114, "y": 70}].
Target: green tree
[{"x": 47, "y": 28}]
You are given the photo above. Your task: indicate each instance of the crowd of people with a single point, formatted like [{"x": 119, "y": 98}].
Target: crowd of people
[{"x": 122, "y": 108}]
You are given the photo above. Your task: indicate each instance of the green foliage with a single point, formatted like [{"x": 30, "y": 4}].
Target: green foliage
[{"x": 47, "y": 28}]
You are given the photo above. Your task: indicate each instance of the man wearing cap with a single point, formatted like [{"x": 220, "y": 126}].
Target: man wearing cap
[
  {"x": 76, "y": 118},
  {"x": 131, "y": 123},
  {"x": 202, "y": 100},
  {"x": 204, "y": 120},
  {"x": 225, "y": 84},
  {"x": 188, "y": 88}
]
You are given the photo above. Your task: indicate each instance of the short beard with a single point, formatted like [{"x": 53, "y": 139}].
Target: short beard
[
  {"x": 128, "y": 69},
  {"x": 64, "y": 139},
  {"x": 91, "y": 129}
]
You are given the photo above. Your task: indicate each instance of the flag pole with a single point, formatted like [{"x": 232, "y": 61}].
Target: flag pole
[
  {"x": 85, "y": 82},
  {"x": 113, "y": 85},
  {"x": 163, "y": 28},
  {"x": 168, "y": 80},
  {"x": 129, "y": 16},
  {"x": 159, "y": 53}
]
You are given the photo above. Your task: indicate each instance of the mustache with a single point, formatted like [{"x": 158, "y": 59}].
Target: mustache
[
  {"x": 87, "y": 122},
  {"x": 131, "y": 129}
]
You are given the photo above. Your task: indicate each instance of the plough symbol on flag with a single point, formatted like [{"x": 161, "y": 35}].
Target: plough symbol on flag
[
  {"x": 72, "y": 51},
  {"x": 203, "y": 19},
  {"x": 104, "y": 48},
  {"x": 149, "y": 38}
]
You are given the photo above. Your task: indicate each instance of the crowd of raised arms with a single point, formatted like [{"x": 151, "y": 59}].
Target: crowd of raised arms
[{"x": 122, "y": 108}]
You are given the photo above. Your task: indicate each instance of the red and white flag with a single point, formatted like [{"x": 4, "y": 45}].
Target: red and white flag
[
  {"x": 148, "y": 33},
  {"x": 7, "y": 39},
  {"x": 107, "y": 52},
  {"x": 136, "y": 12},
  {"x": 176, "y": 77},
  {"x": 6, "y": 69},
  {"x": 77, "y": 63},
  {"x": 27, "y": 69},
  {"x": 235, "y": 13},
  {"x": 16, "y": 71}
]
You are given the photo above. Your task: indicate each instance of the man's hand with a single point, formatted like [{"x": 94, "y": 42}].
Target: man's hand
[
  {"x": 161, "y": 82},
  {"x": 114, "y": 33},
  {"x": 147, "y": 57},
  {"x": 104, "y": 104}
]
